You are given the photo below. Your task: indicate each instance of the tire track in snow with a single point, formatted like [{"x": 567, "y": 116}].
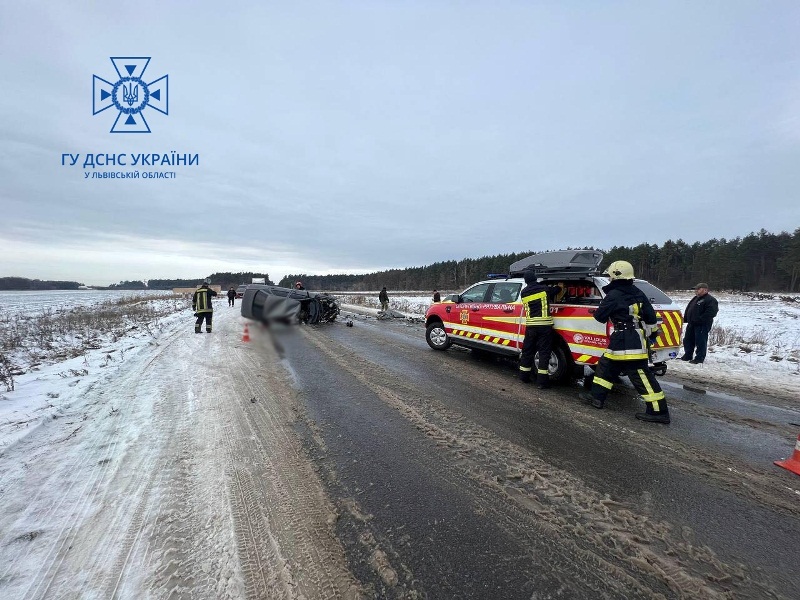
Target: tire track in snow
[
  {"x": 190, "y": 549},
  {"x": 302, "y": 557}
]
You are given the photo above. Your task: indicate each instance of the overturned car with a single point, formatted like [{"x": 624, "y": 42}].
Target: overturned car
[{"x": 273, "y": 304}]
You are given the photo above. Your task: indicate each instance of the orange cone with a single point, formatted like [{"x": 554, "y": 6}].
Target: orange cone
[
  {"x": 793, "y": 463},
  {"x": 246, "y": 334}
]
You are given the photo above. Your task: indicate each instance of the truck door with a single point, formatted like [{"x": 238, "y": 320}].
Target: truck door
[
  {"x": 501, "y": 317},
  {"x": 463, "y": 318}
]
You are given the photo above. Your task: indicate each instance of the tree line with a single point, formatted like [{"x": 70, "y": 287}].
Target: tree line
[
  {"x": 760, "y": 261},
  {"x": 23, "y": 284},
  {"x": 226, "y": 280}
]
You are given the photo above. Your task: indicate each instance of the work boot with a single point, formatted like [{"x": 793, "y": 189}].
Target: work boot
[
  {"x": 197, "y": 331},
  {"x": 652, "y": 416},
  {"x": 659, "y": 417},
  {"x": 525, "y": 378},
  {"x": 544, "y": 385},
  {"x": 596, "y": 402}
]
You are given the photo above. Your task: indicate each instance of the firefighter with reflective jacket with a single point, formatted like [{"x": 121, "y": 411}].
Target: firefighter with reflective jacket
[
  {"x": 201, "y": 305},
  {"x": 634, "y": 321},
  {"x": 536, "y": 298}
]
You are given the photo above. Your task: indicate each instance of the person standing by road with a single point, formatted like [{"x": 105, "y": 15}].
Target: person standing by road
[
  {"x": 201, "y": 305},
  {"x": 699, "y": 316},
  {"x": 383, "y": 297},
  {"x": 231, "y": 296},
  {"x": 437, "y": 297},
  {"x": 536, "y": 298},
  {"x": 634, "y": 320}
]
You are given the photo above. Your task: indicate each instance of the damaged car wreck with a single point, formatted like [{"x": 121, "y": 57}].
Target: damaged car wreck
[{"x": 273, "y": 304}]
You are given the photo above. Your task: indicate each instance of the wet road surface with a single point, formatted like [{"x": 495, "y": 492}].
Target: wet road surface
[{"x": 453, "y": 480}]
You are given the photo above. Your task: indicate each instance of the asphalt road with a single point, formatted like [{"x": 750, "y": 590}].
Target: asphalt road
[{"x": 453, "y": 480}]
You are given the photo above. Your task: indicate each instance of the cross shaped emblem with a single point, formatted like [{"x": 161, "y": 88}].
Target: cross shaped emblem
[{"x": 130, "y": 95}]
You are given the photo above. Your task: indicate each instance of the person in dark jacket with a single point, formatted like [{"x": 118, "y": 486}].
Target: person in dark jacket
[
  {"x": 298, "y": 285},
  {"x": 383, "y": 297},
  {"x": 201, "y": 305},
  {"x": 699, "y": 316},
  {"x": 437, "y": 297},
  {"x": 231, "y": 296},
  {"x": 536, "y": 298},
  {"x": 634, "y": 320}
]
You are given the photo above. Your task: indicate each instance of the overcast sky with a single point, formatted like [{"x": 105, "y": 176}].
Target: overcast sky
[{"x": 346, "y": 137}]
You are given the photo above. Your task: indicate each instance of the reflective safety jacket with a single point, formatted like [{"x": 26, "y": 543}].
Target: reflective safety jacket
[
  {"x": 536, "y": 298},
  {"x": 201, "y": 301},
  {"x": 632, "y": 316}
]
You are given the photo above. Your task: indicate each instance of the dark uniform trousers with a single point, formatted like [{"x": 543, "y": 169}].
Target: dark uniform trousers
[
  {"x": 538, "y": 338},
  {"x": 627, "y": 355},
  {"x": 641, "y": 376}
]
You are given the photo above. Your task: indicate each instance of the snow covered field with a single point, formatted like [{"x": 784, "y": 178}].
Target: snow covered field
[{"x": 35, "y": 302}]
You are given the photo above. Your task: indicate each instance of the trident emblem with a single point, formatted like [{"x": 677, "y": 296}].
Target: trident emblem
[{"x": 130, "y": 93}]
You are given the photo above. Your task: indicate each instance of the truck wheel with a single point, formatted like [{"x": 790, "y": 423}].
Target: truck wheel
[
  {"x": 559, "y": 365},
  {"x": 437, "y": 337}
]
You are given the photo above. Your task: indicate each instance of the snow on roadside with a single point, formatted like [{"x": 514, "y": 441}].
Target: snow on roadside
[
  {"x": 754, "y": 345},
  {"x": 45, "y": 391}
]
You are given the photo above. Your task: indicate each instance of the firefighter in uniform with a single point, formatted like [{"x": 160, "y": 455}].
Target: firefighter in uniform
[
  {"x": 634, "y": 321},
  {"x": 201, "y": 305},
  {"x": 536, "y": 298}
]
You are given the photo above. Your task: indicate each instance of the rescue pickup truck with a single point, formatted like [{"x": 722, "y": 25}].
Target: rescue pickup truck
[{"x": 489, "y": 315}]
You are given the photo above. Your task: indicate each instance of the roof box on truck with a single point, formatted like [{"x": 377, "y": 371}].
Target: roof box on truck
[{"x": 560, "y": 261}]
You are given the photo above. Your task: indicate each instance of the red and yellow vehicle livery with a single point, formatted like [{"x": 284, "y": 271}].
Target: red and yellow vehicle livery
[{"x": 489, "y": 316}]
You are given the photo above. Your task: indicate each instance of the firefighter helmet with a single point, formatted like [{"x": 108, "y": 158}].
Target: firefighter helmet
[{"x": 619, "y": 269}]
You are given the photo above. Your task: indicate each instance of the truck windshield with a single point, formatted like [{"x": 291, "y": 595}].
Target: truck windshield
[{"x": 655, "y": 295}]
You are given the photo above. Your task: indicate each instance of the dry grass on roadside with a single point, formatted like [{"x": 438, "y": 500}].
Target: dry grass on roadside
[
  {"x": 729, "y": 336},
  {"x": 755, "y": 342},
  {"x": 51, "y": 335}
]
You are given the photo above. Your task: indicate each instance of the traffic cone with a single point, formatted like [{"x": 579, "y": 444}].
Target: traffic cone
[
  {"x": 793, "y": 463},
  {"x": 246, "y": 334}
]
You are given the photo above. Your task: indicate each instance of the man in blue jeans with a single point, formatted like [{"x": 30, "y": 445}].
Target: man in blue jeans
[{"x": 699, "y": 316}]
